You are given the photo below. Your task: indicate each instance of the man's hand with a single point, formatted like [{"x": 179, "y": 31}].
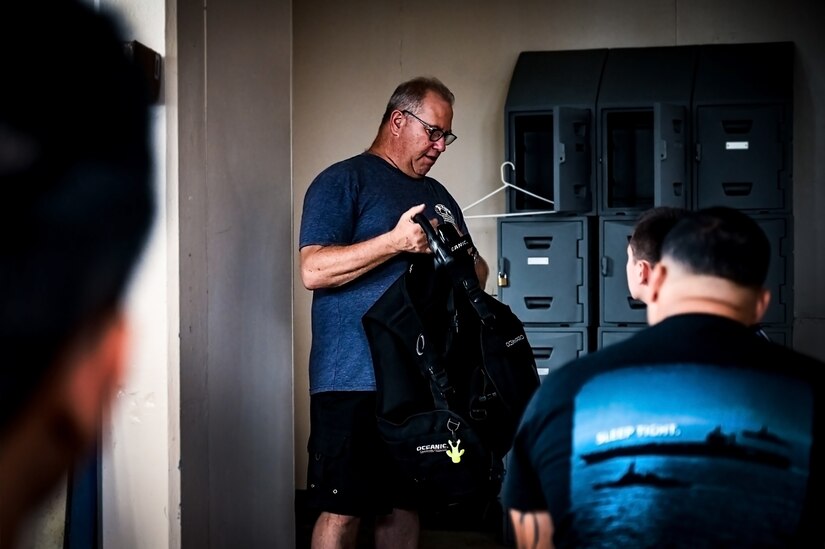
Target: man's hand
[{"x": 407, "y": 236}]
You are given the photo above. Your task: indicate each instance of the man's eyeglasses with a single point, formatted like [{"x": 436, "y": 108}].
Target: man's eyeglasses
[{"x": 434, "y": 132}]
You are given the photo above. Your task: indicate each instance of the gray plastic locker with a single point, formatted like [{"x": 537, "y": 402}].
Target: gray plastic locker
[
  {"x": 616, "y": 304},
  {"x": 744, "y": 73},
  {"x": 779, "y": 278},
  {"x": 532, "y": 156},
  {"x": 571, "y": 165},
  {"x": 626, "y": 180},
  {"x": 545, "y": 265},
  {"x": 609, "y": 336},
  {"x": 552, "y": 158},
  {"x": 642, "y": 107},
  {"x": 740, "y": 158},
  {"x": 643, "y": 158},
  {"x": 554, "y": 347},
  {"x": 549, "y": 138},
  {"x": 670, "y": 160}
]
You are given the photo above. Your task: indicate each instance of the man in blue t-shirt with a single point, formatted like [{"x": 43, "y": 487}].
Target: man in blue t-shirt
[
  {"x": 357, "y": 230},
  {"x": 695, "y": 432}
]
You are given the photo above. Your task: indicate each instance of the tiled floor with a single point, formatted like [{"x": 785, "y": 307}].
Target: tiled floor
[
  {"x": 443, "y": 539},
  {"x": 479, "y": 526},
  {"x": 435, "y": 539}
]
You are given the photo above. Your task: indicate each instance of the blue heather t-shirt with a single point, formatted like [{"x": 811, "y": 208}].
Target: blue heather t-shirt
[{"x": 352, "y": 201}]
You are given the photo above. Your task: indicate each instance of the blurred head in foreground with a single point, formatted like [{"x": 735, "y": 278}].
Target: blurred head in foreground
[{"x": 76, "y": 209}]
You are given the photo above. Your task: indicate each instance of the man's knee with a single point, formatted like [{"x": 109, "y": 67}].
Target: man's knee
[
  {"x": 339, "y": 521},
  {"x": 333, "y": 530},
  {"x": 398, "y": 530}
]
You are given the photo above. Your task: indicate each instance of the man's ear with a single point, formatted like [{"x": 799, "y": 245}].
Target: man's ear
[
  {"x": 97, "y": 365},
  {"x": 654, "y": 289},
  {"x": 656, "y": 277},
  {"x": 397, "y": 120},
  {"x": 643, "y": 270},
  {"x": 762, "y": 302}
]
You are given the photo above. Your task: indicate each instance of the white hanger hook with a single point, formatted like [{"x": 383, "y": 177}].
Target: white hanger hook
[
  {"x": 503, "y": 164},
  {"x": 505, "y": 185}
]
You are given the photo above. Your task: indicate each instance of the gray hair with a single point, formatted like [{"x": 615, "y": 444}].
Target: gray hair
[{"x": 409, "y": 95}]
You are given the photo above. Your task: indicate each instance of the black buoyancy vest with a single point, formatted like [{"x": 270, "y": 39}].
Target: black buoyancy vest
[{"x": 451, "y": 362}]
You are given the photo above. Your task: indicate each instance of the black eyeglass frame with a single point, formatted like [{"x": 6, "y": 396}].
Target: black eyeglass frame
[{"x": 435, "y": 133}]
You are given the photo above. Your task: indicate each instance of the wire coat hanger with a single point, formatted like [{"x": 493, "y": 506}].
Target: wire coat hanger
[{"x": 505, "y": 185}]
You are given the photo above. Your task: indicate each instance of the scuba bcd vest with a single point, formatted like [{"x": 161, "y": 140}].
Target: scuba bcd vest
[{"x": 453, "y": 369}]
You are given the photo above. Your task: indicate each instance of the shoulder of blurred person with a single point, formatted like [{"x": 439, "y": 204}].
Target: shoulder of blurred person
[{"x": 76, "y": 211}]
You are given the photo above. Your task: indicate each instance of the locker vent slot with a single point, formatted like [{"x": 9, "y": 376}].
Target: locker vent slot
[
  {"x": 737, "y": 189},
  {"x": 737, "y": 126},
  {"x": 635, "y": 304},
  {"x": 538, "y": 302},
  {"x": 537, "y": 242},
  {"x": 542, "y": 353}
]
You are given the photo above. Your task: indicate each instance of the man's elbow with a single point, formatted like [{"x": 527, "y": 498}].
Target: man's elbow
[
  {"x": 311, "y": 273},
  {"x": 311, "y": 279}
]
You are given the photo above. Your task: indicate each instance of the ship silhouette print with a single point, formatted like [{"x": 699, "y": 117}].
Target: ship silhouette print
[
  {"x": 764, "y": 435},
  {"x": 632, "y": 478},
  {"x": 717, "y": 444}
]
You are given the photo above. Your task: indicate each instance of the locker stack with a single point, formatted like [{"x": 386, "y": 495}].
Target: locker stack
[
  {"x": 742, "y": 113},
  {"x": 545, "y": 261},
  {"x": 609, "y": 133}
]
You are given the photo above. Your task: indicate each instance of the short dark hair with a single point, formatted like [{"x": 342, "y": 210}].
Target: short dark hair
[
  {"x": 722, "y": 242},
  {"x": 75, "y": 176},
  {"x": 650, "y": 230},
  {"x": 409, "y": 95}
]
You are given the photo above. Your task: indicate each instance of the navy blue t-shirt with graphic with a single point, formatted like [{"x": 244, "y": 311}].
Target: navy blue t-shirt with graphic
[
  {"x": 693, "y": 433},
  {"x": 352, "y": 201}
]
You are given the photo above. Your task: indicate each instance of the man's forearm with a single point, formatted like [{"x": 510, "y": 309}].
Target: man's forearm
[
  {"x": 533, "y": 529},
  {"x": 333, "y": 266}
]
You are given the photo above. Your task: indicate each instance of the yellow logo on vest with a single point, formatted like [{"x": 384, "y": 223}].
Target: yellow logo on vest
[{"x": 454, "y": 453}]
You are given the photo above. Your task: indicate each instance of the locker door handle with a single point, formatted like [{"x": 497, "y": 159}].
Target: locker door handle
[
  {"x": 538, "y": 302},
  {"x": 605, "y": 264},
  {"x": 635, "y": 304},
  {"x": 562, "y": 155},
  {"x": 537, "y": 242},
  {"x": 663, "y": 154},
  {"x": 542, "y": 353},
  {"x": 737, "y": 126},
  {"x": 737, "y": 188}
]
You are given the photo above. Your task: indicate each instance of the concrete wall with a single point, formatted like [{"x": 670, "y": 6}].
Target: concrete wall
[
  {"x": 235, "y": 271},
  {"x": 349, "y": 56}
]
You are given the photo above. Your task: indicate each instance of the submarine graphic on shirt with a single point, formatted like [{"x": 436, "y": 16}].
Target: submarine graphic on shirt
[{"x": 692, "y": 450}]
